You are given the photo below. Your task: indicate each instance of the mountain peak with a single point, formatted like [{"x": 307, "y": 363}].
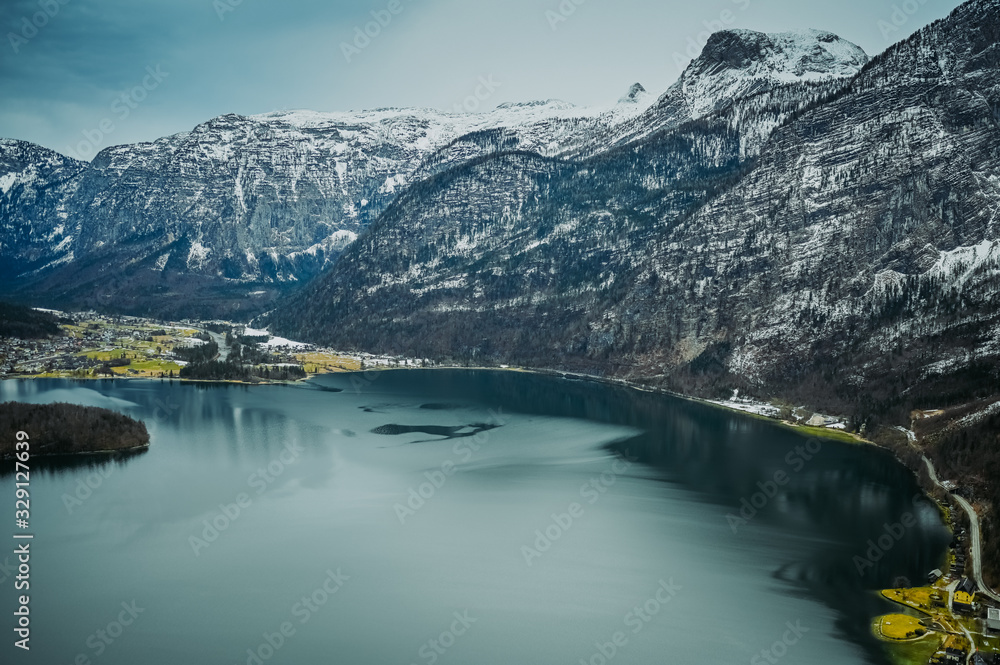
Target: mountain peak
[
  {"x": 737, "y": 63},
  {"x": 538, "y": 103},
  {"x": 783, "y": 57},
  {"x": 636, "y": 93}
]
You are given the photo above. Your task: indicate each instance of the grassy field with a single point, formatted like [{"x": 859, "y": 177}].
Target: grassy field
[
  {"x": 918, "y": 599},
  {"x": 824, "y": 433},
  {"x": 899, "y": 627},
  {"x": 326, "y": 363},
  {"x": 914, "y": 652},
  {"x": 145, "y": 355}
]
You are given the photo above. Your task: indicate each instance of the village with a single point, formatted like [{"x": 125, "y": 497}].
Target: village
[
  {"x": 98, "y": 346},
  {"x": 948, "y": 622}
]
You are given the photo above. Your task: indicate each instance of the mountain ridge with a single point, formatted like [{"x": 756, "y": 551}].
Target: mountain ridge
[
  {"x": 686, "y": 251},
  {"x": 240, "y": 204}
]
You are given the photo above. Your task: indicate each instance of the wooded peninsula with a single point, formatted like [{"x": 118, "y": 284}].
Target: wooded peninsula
[{"x": 66, "y": 429}]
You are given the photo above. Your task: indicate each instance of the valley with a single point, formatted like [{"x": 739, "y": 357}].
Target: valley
[{"x": 803, "y": 236}]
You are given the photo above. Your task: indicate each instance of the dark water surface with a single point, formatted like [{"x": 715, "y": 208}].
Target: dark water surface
[{"x": 473, "y": 518}]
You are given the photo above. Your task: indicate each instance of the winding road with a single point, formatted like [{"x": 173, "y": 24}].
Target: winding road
[{"x": 975, "y": 545}]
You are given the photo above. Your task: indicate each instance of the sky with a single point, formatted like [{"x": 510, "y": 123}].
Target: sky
[{"x": 78, "y": 76}]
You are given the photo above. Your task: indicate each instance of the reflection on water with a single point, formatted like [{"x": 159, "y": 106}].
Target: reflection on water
[{"x": 250, "y": 497}]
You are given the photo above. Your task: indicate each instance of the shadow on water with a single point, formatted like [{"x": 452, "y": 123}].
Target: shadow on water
[
  {"x": 444, "y": 431},
  {"x": 380, "y": 408},
  {"x": 315, "y": 386}
]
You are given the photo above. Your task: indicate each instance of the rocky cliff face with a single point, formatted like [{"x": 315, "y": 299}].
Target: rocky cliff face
[
  {"x": 829, "y": 235},
  {"x": 34, "y": 186},
  {"x": 861, "y": 249},
  {"x": 240, "y": 209}
]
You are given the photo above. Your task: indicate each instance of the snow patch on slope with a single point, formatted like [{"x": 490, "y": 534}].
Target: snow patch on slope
[
  {"x": 198, "y": 254},
  {"x": 7, "y": 181}
]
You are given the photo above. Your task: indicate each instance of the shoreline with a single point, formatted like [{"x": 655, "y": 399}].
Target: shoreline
[
  {"x": 840, "y": 435},
  {"x": 825, "y": 432},
  {"x": 105, "y": 451},
  {"x": 835, "y": 434}
]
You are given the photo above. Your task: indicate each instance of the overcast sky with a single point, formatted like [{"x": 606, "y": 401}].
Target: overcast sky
[{"x": 66, "y": 64}]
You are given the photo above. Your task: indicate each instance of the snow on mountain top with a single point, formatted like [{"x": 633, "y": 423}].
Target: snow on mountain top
[
  {"x": 504, "y": 115},
  {"x": 636, "y": 94},
  {"x": 539, "y": 123},
  {"x": 784, "y": 56},
  {"x": 551, "y": 103},
  {"x": 736, "y": 63}
]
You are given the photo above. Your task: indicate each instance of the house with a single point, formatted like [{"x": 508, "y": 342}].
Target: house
[
  {"x": 966, "y": 585},
  {"x": 962, "y": 602},
  {"x": 993, "y": 619},
  {"x": 934, "y": 576}
]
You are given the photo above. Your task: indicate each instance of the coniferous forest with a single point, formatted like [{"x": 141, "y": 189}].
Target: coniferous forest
[{"x": 61, "y": 429}]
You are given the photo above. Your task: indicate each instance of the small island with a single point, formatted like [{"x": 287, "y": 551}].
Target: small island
[{"x": 68, "y": 429}]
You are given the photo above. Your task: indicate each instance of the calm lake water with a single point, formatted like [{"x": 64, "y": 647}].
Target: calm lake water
[{"x": 461, "y": 517}]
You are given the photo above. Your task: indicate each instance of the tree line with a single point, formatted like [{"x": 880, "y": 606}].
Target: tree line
[
  {"x": 26, "y": 323},
  {"x": 59, "y": 429}
]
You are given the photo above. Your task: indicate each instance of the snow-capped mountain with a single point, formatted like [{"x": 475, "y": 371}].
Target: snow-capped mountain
[
  {"x": 739, "y": 65},
  {"x": 242, "y": 205},
  {"x": 833, "y": 236}
]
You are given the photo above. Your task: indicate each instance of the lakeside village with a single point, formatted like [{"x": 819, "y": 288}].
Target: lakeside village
[
  {"x": 97, "y": 346},
  {"x": 949, "y": 621}
]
